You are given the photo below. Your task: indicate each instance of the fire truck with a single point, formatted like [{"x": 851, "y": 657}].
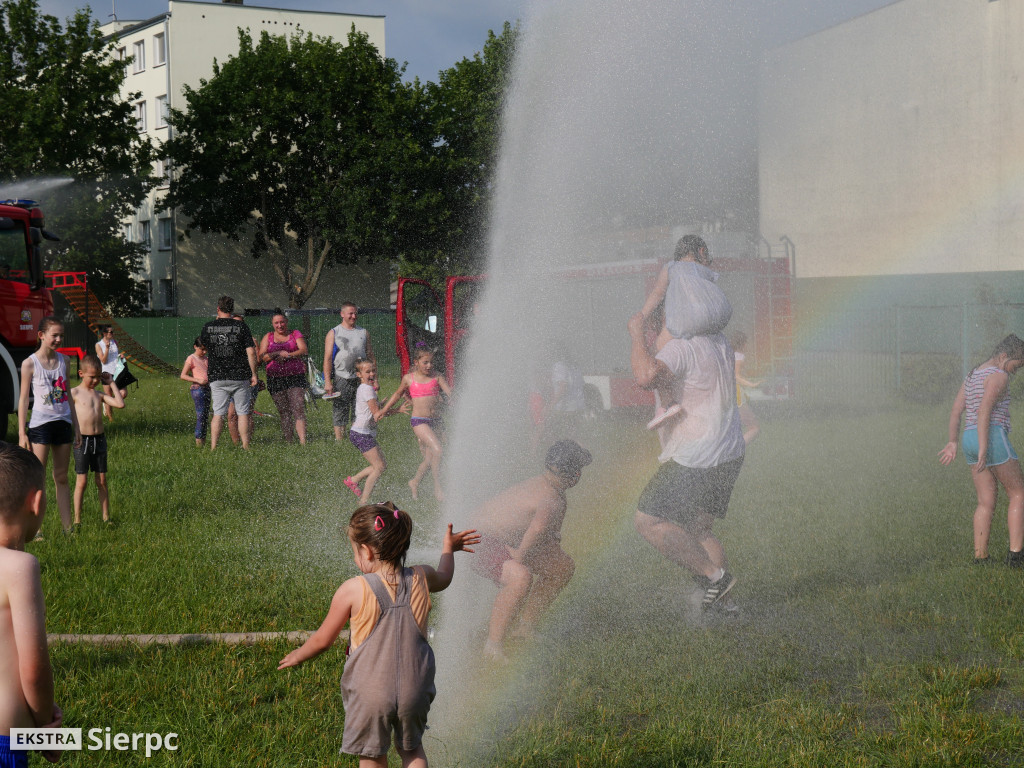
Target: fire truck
[
  {"x": 24, "y": 296},
  {"x": 759, "y": 289}
]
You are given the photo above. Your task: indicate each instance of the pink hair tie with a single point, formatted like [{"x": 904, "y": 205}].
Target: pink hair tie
[{"x": 378, "y": 524}]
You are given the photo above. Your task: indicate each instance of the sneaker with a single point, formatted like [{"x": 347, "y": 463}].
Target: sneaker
[
  {"x": 727, "y": 608},
  {"x": 717, "y": 590},
  {"x": 1015, "y": 559},
  {"x": 353, "y": 486}
]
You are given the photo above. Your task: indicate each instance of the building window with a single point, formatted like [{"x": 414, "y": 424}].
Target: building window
[
  {"x": 161, "y": 111},
  {"x": 140, "y": 116},
  {"x": 126, "y": 229},
  {"x": 159, "y": 50},
  {"x": 144, "y": 234},
  {"x": 148, "y": 284},
  {"x": 163, "y": 172},
  {"x": 139, "y": 56},
  {"x": 122, "y": 53},
  {"x": 167, "y": 289},
  {"x": 164, "y": 233}
]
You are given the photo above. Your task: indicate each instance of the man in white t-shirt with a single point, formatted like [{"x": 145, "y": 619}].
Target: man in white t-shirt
[
  {"x": 344, "y": 344},
  {"x": 702, "y": 452}
]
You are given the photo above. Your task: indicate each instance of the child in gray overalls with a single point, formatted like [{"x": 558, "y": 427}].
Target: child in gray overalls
[{"x": 388, "y": 682}]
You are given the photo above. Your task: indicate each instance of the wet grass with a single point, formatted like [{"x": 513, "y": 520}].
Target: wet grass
[{"x": 867, "y": 637}]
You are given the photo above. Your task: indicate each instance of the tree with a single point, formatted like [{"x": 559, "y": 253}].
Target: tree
[
  {"x": 61, "y": 115},
  {"x": 466, "y": 107},
  {"x": 329, "y": 160}
]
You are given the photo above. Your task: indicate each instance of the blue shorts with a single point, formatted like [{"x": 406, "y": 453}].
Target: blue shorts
[
  {"x": 9, "y": 759},
  {"x": 999, "y": 449}
]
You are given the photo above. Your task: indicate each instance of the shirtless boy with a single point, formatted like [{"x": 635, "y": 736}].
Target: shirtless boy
[
  {"x": 521, "y": 550},
  {"x": 91, "y": 453},
  {"x": 26, "y": 681}
]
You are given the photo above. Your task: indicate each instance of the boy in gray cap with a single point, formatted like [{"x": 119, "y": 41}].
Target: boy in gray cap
[{"x": 521, "y": 546}]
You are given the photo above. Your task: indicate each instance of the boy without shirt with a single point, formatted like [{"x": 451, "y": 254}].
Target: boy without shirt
[
  {"x": 26, "y": 680},
  {"x": 521, "y": 546},
  {"x": 92, "y": 451}
]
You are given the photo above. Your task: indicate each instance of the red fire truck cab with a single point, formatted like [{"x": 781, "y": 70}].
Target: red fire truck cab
[{"x": 24, "y": 297}]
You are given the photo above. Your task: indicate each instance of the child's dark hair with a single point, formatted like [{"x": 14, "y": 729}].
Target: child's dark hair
[
  {"x": 421, "y": 350},
  {"x": 198, "y": 342},
  {"x": 20, "y": 473},
  {"x": 360, "y": 362},
  {"x": 385, "y": 529},
  {"x": 691, "y": 245},
  {"x": 737, "y": 340},
  {"x": 92, "y": 362},
  {"x": 1012, "y": 345}
]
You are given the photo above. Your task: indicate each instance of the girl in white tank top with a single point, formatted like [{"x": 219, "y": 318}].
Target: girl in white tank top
[{"x": 53, "y": 422}]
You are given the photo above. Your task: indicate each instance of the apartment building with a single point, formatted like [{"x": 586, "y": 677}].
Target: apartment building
[{"x": 162, "y": 55}]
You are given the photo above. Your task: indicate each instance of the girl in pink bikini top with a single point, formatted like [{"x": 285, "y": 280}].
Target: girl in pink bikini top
[{"x": 427, "y": 389}]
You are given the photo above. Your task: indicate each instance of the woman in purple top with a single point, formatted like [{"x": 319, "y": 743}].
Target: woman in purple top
[{"x": 284, "y": 352}]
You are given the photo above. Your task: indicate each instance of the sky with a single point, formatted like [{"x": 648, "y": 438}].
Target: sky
[{"x": 431, "y": 35}]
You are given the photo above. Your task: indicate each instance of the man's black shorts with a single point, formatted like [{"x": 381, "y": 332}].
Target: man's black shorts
[{"x": 678, "y": 494}]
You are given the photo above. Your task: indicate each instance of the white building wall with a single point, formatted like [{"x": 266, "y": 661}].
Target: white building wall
[
  {"x": 195, "y": 34},
  {"x": 891, "y": 144}
]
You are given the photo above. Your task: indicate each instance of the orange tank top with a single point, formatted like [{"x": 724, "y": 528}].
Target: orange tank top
[{"x": 362, "y": 624}]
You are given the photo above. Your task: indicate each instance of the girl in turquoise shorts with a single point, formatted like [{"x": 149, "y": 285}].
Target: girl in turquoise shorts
[{"x": 986, "y": 443}]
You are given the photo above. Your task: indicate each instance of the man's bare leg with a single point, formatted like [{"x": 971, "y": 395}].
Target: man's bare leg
[
  {"x": 677, "y": 544},
  {"x": 244, "y": 429}
]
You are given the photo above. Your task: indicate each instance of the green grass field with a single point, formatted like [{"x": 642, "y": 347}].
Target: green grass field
[{"x": 868, "y": 637}]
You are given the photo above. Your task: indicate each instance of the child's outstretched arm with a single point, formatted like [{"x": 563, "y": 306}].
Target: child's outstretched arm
[
  {"x": 948, "y": 453},
  {"x": 398, "y": 392},
  {"x": 380, "y": 412},
  {"x": 445, "y": 386},
  {"x": 438, "y": 579},
  {"x": 340, "y": 612}
]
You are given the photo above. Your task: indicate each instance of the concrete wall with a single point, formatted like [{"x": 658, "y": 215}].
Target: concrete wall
[{"x": 891, "y": 144}]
